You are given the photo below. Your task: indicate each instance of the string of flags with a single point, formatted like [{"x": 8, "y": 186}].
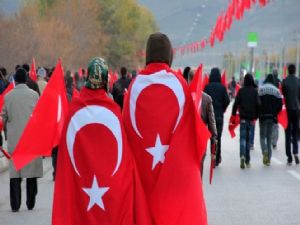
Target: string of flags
[{"x": 234, "y": 11}]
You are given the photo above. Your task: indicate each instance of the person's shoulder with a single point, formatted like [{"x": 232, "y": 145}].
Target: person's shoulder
[{"x": 206, "y": 97}]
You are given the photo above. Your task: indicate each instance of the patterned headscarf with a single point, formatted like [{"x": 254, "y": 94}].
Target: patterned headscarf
[{"x": 97, "y": 74}]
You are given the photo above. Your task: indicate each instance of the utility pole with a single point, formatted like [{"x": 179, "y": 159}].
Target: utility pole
[{"x": 298, "y": 53}]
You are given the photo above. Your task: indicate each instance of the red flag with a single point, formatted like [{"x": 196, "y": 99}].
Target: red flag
[
  {"x": 76, "y": 93},
  {"x": 32, "y": 72},
  {"x": 47, "y": 119},
  {"x": 233, "y": 124},
  {"x": 247, "y": 4},
  {"x": 224, "y": 79},
  {"x": 212, "y": 38},
  {"x": 166, "y": 138},
  {"x": 212, "y": 162},
  {"x": 283, "y": 118},
  {"x": 8, "y": 89},
  {"x": 97, "y": 181},
  {"x": 237, "y": 89},
  {"x": 205, "y": 81},
  {"x": 80, "y": 72},
  {"x": 284, "y": 72},
  {"x": 196, "y": 87},
  {"x": 262, "y": 3}
]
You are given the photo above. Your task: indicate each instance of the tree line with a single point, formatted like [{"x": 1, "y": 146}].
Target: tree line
[{"x": 76, "y": 31}]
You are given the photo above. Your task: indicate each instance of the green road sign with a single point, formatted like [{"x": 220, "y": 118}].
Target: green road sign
[{"x": 252, "y": 39}]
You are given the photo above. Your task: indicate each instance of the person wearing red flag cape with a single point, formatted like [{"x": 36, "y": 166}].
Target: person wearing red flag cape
[
  {"x": 96, "y": 180},
  {"x": 163, "y": 125}
]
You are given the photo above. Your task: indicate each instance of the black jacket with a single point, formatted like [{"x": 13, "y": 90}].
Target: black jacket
[
  {"x": 218, "y": 93},
  {"x": 291, "y": 92},
  {"x": 271, "y": 102},
  {"x": 247, "y": 100},
  {"x": 119, "y": 90}
]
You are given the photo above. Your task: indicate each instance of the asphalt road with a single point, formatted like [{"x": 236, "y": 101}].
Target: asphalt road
[{"x": 256, "y": 196}]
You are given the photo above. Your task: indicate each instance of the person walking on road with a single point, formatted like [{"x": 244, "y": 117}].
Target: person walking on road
[
  {"x": 247, "y": 102},
  {"x": 291, "y": 93},
  {"x": 220, "y": 100},
  {"x": 271, "y": 105},
  {"x": 18, "y": 106}
]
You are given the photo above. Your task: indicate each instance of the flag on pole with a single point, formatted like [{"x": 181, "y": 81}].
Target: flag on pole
[
  {"x": 32, "y": 72},
  {"x": 47, "y": 119}
]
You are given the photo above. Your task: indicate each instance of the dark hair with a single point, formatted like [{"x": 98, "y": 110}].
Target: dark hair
[
  {"x": 26, "y": 67},
  {"x": 3, "y": 71},
  {"x": 292, "y": 69},
  {"x": 270, "y": 79},
  {"x": 123, "y": 71},
  {"x": 21, "y": 76},
  {"x": 249, "y": 80},
  {"x": 17, "y": 67},
  {"x": 215, "y": 75},
  {"x": 186, "y": 72}
]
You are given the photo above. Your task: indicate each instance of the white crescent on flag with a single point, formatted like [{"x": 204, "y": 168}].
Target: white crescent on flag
[
  {"x": 59, "y": 109},
  {"x": 94, "y": 114},
  {"x": 162, "y": 77}
]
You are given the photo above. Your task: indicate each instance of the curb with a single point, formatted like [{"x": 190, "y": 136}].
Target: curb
[{"x": 3, "y": 164}]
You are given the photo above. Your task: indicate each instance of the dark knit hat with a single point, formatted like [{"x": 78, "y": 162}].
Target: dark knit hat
[
  {"x": 159, "y": 49},
  {"x": 21, "y": 76}
]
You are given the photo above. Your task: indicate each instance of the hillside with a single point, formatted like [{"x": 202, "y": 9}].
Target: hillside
[{"x": 276, "y": 25}]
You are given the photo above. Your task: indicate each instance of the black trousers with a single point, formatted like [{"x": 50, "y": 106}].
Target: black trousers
[
  {"x": 219, "y": 125},
  {"x": 291, "y": 134},
  {"x": 15, "y": 193},
  {"x": 54, "y": 160}
]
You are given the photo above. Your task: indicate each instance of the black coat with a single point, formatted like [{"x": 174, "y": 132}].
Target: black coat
[
  {"x": 271, "y": 102},
  {"x": 119, "y": 89},
  {"x": 219, "y": 95},
  {"x": 247, "y": 102},
  {"x": 291, "y": 92}
]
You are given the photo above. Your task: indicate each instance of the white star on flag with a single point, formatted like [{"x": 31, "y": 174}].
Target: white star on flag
[
  {"x": 158, "y": 152},
  {"x": 95, "y": 194}
]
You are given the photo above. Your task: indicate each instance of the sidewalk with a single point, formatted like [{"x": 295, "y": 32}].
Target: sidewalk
[
  {"x": 3, "y": 159},
  {"x": 3, "y": 163}
]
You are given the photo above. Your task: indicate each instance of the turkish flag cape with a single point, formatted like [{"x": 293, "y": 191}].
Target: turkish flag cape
[
  {"x": 32, "y": 72},
  {"x": 159, "y": 111},
  {"x": 99, "y": 152},
  {"x": 44, "y": 127}
]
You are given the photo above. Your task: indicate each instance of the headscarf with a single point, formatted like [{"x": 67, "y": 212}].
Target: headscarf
[{"x": 97, "y": 74}]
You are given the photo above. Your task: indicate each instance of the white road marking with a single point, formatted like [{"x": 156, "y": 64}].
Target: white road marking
[
  {"x": 294, "y": 174},
  {"x": 277, "y": 161}
]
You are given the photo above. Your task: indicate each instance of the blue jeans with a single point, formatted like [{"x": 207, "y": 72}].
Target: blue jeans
[
  {"x": 245, "y": 131},
  {"x": 266, "y": 131},
  {"x": 251, "y": 135}
]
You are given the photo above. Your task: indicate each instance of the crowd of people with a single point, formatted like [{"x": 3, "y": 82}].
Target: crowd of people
[{"x": 251, "y": 102}]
